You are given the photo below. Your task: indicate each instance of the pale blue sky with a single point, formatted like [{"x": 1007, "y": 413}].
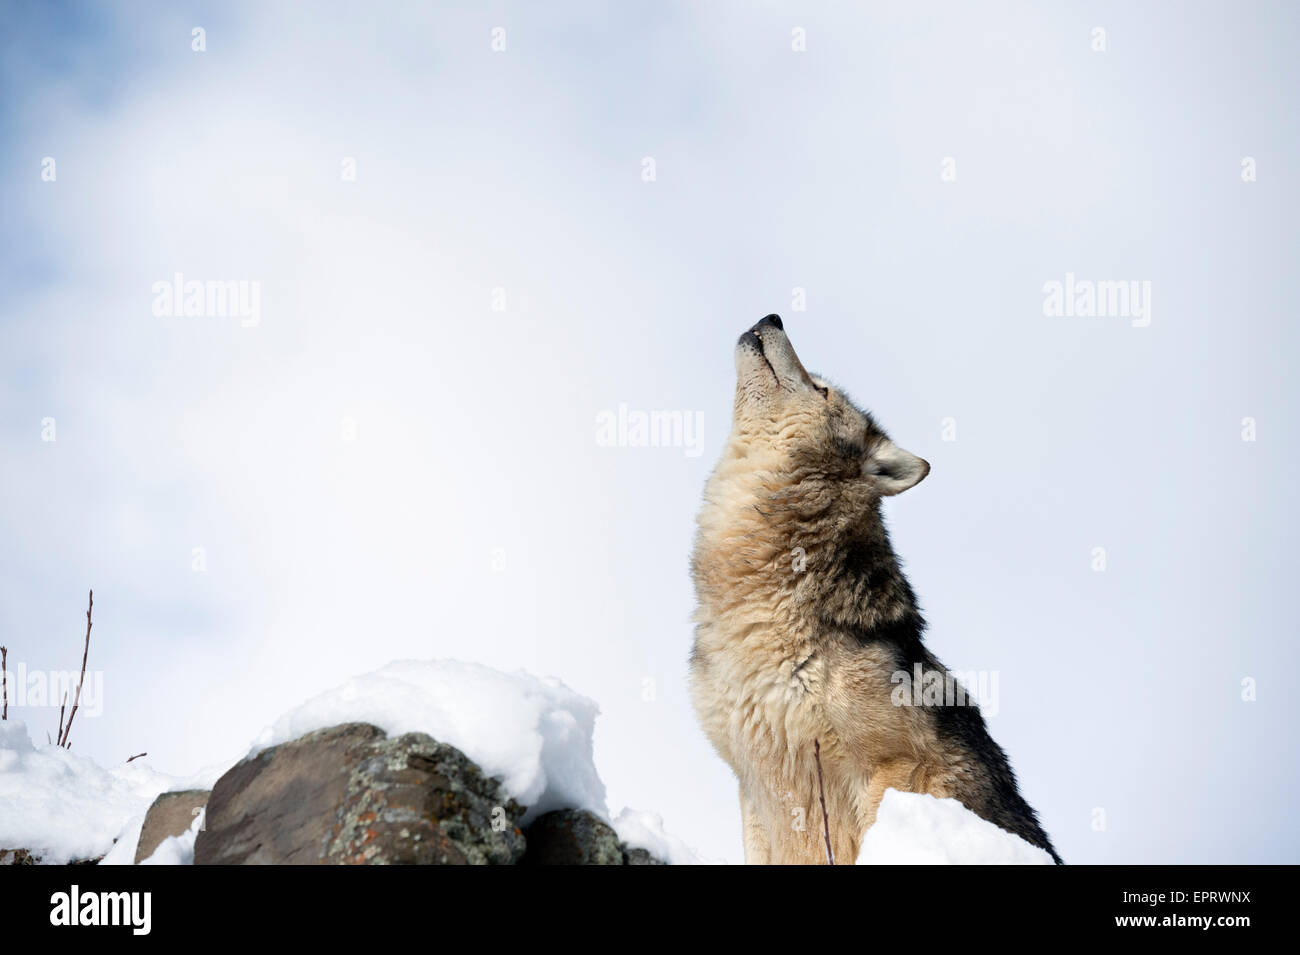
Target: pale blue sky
[{"x": 476, "y": 429}]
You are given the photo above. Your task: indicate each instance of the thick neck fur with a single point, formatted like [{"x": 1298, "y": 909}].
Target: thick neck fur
[{"x": 797, "y": 548}]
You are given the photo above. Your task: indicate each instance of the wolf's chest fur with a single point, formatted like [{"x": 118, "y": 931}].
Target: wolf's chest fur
[
  {"x": 759, "y": 692},
  {"x": 768, "y": 702},
  {"x": 772, "y": 682}
]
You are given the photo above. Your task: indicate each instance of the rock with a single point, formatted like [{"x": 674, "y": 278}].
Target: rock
[
  {"x": 25, "y": 857},
  {"x": 280, "y": 805},
  {"x": 578, "y": 837},
  {"x": 640, "y": 857},
  {"x": 572, "y": 837},
  {"x": 350, "y": 795},
  {"x": 420, "y": 801},
  {"x": 170, "y": 815}
]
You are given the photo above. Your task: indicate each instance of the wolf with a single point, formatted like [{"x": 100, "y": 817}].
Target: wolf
[{"x": 805, "y": 621}]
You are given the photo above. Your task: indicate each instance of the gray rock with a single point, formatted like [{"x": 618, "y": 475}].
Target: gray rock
[
  {"x": 572, "y": 837},
  {"x": 639, "y": 857},
  {"x": 170, "y": 815},
  {"x": 349, "y": 795},
  {"x": 416, "y": 800}
]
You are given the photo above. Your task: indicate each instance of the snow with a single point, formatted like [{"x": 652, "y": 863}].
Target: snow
[
  {"x": 535, "y": 735},
  {"x": 916, "y": 829},
  {"x": 63, "y": 806},
  {"x": 645, "y": 830},
  {"x": 123, "y": 851}
]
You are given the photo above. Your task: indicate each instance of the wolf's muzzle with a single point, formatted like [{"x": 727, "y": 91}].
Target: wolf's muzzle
[{"x": 752, "y": 335}]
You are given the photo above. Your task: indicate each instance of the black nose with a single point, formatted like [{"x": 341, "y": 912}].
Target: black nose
[{"x": 770, "y": 320}]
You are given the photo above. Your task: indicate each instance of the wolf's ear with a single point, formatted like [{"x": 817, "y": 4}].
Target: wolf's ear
[{"x": 894, "y": 469}]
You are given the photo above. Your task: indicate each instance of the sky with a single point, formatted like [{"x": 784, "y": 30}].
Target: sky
[{"x": 476, "y": 230}]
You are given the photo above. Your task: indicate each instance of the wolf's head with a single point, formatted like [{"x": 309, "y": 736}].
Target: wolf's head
[
  {"x": 790, "y": 422},
  {"x": 798, "y": 488}
]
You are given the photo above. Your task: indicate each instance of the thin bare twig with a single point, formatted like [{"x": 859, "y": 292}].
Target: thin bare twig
[
  {"x": 826, "y": 820},
  {"x": 137, "y": 756},
  {"x": 62, "y": 707},
  {"x": 84, "y": 653},
  {"x": 4, "y": 678}
]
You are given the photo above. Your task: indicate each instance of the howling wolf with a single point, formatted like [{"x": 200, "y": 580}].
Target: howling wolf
[{"x": 805, "y": 622}]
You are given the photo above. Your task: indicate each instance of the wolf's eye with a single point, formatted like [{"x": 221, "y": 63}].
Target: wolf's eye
[{"x": 826, "y": 392}]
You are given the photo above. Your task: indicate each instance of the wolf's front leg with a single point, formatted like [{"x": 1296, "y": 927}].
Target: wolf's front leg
[{"x": 758, "y": 842}]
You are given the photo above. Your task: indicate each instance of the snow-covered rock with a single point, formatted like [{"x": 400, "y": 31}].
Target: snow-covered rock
[
  {"x": 535, "y": 735},
  {"x": 916, "y": 829}
]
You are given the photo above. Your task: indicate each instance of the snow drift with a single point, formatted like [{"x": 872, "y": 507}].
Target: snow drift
[
  {"x": 916, "y": 829},
  {"x": 61, "y": 805}
]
